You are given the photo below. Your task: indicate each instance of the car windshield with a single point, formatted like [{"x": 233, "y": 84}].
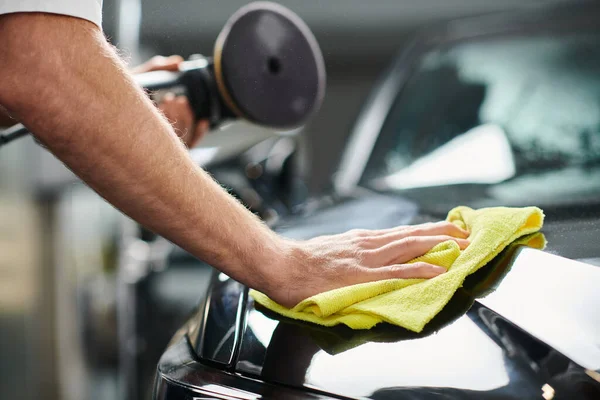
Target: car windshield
[{"x": 514, "y": 121}]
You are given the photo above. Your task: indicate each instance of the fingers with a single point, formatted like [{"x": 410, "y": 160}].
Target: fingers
[
  {"x": 170, "y": 63},
  {"x": 202, "y": 127},
  {"x": 439, "y": 228},
  {"x": 377, "y": 239},
  {"x": 185, "y": 117},
  {"x": 176, "y": 108},
  {"x": 405, "y": 271},
  {"x": 168, "y": 99},
  {"x": 429, "y": 229},
  {"x": 407, "y": 249},
  {"x": 346, "y": 259},
  {"x": 179, "y": 113},
  {"x": 159, "y": 63}
]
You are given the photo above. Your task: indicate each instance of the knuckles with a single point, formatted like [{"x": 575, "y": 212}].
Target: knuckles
[
  {"x": 362, "y": 242},
  {"x": 358, "y": 233},
  {"x": 408, "y": 242},
  {"x": 420, "y": 266}
]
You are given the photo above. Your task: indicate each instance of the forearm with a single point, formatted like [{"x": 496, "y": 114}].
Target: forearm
[{"x": 86, "y": 109}]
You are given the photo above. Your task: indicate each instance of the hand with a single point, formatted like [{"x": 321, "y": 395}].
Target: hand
[
  {"x": 176, "y": 108},
  {"x": 358, "y": 256}
]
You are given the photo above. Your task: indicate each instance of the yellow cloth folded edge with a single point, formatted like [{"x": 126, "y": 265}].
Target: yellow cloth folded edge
[{"x": 411, "y": 303}]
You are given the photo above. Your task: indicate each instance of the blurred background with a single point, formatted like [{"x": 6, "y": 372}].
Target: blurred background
[{"x": 83, "y": 290}]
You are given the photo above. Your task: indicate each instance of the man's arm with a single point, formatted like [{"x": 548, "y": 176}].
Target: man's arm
[
  {"x": 63, "y": 81},
  {"x": 83, "y": 105},
  {"x": 176, "y": 108}
]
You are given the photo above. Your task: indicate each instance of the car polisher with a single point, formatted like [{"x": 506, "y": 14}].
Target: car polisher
[{"x": 267, "y": 68}]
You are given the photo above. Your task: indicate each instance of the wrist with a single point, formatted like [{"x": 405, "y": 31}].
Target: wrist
[{"x": 270, "y": 267}]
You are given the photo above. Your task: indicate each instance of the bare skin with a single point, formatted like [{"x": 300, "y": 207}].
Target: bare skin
[
  {"x": 83, "y": 104},
  {"x": 176, "y": 108}
]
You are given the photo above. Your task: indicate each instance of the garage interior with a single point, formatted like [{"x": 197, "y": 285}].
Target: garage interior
[{"x": 59, "y": 242}]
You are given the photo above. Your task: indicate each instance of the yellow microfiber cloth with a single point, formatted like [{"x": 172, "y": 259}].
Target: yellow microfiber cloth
[{"x": 412, "y": 303}]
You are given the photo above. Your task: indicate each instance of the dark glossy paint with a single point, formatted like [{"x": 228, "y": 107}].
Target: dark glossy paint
[
  {"x": 181, "y": 376},
  {"x": 541, "y": 326},
  {"x": 213, "y": 331},
  {"x": 525, "y": 323}
]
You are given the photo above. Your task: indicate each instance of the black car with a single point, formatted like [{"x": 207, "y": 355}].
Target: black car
[{"x": 493, "y": 110}]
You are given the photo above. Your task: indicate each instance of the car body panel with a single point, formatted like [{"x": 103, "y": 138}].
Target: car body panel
[
  {"x": 181, "y": 376},
  {"x": 541, "y": 304},
  {"x": 525, "y": 325}
]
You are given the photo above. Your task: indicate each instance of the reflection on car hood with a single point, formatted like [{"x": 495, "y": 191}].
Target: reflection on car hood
[{"x": 539, "y": 330}]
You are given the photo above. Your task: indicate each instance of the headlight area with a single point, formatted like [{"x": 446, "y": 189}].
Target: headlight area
[{"x": 180, "y": 375}]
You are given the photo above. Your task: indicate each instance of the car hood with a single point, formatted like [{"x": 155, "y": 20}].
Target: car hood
[
  {"x": 524, "y": 324},
  {"x": 571, "y": 232}
]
